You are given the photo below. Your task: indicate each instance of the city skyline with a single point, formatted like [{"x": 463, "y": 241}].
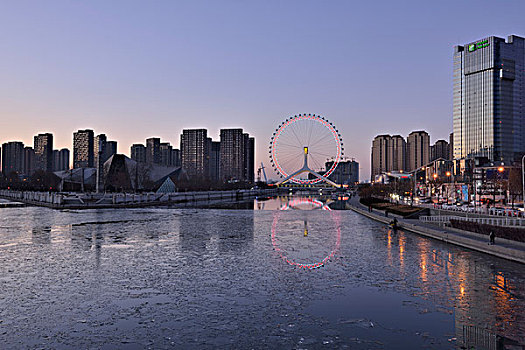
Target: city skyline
[{"x": 226, "y": 65}]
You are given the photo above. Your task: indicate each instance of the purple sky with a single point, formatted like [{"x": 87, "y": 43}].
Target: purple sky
[{"x": 133, "y": 69}]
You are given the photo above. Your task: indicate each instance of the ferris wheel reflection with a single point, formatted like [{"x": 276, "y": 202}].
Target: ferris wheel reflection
[{"x": 304, "y": 240}]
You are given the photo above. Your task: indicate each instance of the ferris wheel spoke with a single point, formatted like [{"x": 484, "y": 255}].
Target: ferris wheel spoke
[
  {"x": 287, "y": 144},
  {"x": 293, "y": 131},
  {"x": 324, "y": 139}
]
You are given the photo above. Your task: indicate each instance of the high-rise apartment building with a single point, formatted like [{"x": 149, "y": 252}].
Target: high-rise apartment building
[
  {"x": 439, "y": 150},
  {"x": 396, "y": 157},
  {"x": 99, "y": 148},
  {"x": 195, "y": 152},
  {"x": 380, "y": 152},
  {"x": 249, "y": 158},
  {"x": 111, "y": 149},
  {"x": 13, "y": 157},
  {"x": 165, "y": 150},
  {"x": 103, "y": 149},
  {"x": 175, "y": 157},
  {"x": 489, "y": 99},
  {"x": 138, "y": 153},
  {"x": 43, "y": 147},
  {"x": 83, "y": 149},
  {"x": 29, "y": 161},
  {"x": 232, "y": 154},
  {"x": 61, "y": 160},
  {"x": 418, "y": 149},
  {"x": 153, "y": 150}
]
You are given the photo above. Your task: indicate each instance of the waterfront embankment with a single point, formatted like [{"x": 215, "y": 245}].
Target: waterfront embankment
[
  {"x": 73, "y": 200},
  {"x": 506, "y": 249}
]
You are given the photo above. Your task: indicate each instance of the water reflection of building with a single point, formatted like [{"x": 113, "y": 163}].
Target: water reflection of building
[
  {"x": 230, "y": 230},
  {"x": 480, "y": 293}
]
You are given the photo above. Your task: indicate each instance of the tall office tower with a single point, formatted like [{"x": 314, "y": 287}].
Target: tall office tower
[
  {"x": 215, "y": 160},
  {"x": 380, "y": 152},
  {"x": 99, "y": 148},
  {"x": 12, "y": 157},
  {"x": 232, "y": 155},
  {"x": 153, "y": 150},
  {"x": 111, "y": 149},
  {"x": 397, "y": 157},
  {"x": 165, "y": 150},
  {"x": 61, "y": 159},
  {"x": 175, "y": 157},
  {"x": 249, "y": 158},
  {"x": 83, "y": 149},
  {"x": 418, "y": 149},
  {"x": 451, "y": 146},
  {"x": 29, "y": 161},
  {"x": 489, "y": 99},
  {"x": 195, "y": 153},
  {"x": 439, "y": 150},
  {"x": 138, "y": 153},
  {"x": 43, "y": 147}
]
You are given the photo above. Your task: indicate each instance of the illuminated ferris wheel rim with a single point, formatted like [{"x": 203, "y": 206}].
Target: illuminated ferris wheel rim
[{"x": 274, "y": 145}]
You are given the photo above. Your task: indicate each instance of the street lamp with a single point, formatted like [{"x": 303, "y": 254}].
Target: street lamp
[
  {"x": 500, "y": 171},
  {"x": 448, "y": 173}
]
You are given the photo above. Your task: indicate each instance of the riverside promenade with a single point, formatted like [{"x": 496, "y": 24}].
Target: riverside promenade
[{"x": 503, "y": 248}]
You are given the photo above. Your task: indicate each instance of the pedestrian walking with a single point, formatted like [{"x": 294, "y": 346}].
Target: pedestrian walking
[{"x": 492, "y": 238}]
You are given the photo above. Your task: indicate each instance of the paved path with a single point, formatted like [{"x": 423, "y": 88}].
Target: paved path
[{"x": 506, "y": 249}]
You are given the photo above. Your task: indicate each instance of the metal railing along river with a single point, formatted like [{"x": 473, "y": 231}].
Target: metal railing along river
[{"x": 501, "y": 221}]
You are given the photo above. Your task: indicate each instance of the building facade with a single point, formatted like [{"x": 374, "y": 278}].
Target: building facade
[
  {"x": 380, "y": 152},
  {"x": 347, "y": 172},
  {"x": 61, "y": 160},
  {"x": 418, "y": 150},
  {"x": 43, "y": 147},
  {"x": 215, "y": 160},
  {"x": 439, "y": 150},
  {"x": 249, "y": 158},
  {"x": 195, "y": 152},
  {"x": 29, "y": 161},
  {"x": 489, "y": 99},
  {"x": 13, "y": 157},
  {"x": 138, "y": 153},
  {"x": 232, "y": 155},
  {"x": 396, "y": 158},
  {"x": 153, "y": 150},
  {"x": 83, "y": 149}
]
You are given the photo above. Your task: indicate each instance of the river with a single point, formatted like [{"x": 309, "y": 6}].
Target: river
[{"x": 198, "y": 278}]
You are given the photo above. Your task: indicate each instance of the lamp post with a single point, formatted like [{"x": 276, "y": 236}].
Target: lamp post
[
  {"x": 500, "y": 171},
  {"x": 434, "y": 176},
  {"x": 448, "y": 173}
]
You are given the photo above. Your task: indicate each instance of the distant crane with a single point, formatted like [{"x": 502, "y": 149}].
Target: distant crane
[{"x": 261, "y": 169}]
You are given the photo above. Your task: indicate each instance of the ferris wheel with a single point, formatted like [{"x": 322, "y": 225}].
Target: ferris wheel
[{"x": 306, "y": 143}]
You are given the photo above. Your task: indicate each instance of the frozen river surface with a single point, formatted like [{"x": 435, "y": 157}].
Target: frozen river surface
[{"x": 208, "y": 278}]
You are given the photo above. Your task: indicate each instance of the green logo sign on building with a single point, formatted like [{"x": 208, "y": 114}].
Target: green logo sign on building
[{"x": 476, "y": 46}]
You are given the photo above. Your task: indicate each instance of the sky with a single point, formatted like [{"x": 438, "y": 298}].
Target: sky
[{"x": 138, "y": 69}]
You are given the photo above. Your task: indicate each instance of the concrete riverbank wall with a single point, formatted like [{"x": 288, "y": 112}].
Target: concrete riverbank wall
[{"x": 118, "y": 200}]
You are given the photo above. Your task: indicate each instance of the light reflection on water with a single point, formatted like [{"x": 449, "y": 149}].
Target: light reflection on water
[{"x": 198, "y": 278}]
